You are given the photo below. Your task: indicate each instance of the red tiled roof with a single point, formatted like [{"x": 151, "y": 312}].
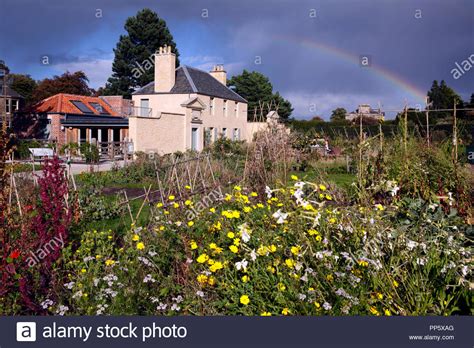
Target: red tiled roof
[{"x": 62, "y": 103}]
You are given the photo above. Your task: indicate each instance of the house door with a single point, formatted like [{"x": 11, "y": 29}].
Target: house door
[{"x": 194, "y": 139}]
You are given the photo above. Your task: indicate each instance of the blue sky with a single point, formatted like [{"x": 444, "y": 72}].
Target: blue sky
[{"x": 310, "y": 50}]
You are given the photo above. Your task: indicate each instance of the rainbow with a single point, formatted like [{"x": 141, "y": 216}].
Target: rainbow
[{"x": 380, "y": 71}]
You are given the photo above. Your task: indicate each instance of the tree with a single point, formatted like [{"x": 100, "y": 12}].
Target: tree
[
  {"x": 338, "y": 114},
  {"x": 146, "y": 34},
  {"x": 256, "y": 88},
  {"x": 317, "y": 119},
  {"x": 442, "y": 97},
  {"x": 24, "y": 85},
  {"x": 72, "y": 83}
]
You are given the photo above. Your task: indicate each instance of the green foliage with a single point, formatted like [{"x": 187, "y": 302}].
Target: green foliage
[
  {"x": 90, "y": 152},
  {"x": 146, "y": 33},
  {"x": 256, "y": 88},
  {"x": 22, "y": 148},
  {"x": 253, "y": 256},
  {"x": 338, "y": 114},
  {"x": 442, "y": 97},
  {"x": 24, "y": 85}
]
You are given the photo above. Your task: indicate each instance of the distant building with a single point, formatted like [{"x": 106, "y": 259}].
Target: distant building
[
  {"x": 365, "y": 110},
  {"x": 10, "y": 101},
  {"x": 80, "y": 119}
]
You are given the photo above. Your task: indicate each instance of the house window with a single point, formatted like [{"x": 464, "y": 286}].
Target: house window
[
  {"x": 236, "y": 134},
  {"x": 225, "y": 107},
  {"x": 236, "y": 109},
  {"x": 144, "y": 107},
  {"x": 216, "y": 135},
  {"x": 194, "y": 139},
  {"x": 8, "y": 106},
  {"x": 224, "y": 132},
  {"x": 211, "y": 106}
]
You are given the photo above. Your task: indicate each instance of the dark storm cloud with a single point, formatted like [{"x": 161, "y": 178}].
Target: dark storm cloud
[{"x": 415, "y": 50}]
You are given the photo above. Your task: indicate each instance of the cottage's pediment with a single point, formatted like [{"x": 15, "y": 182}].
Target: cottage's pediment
[{"x": 194, "y": 103}]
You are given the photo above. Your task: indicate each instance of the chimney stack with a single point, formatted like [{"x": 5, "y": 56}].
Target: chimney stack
[
  {"x": 219, "y": 74},
  {"x": 165, "y": 66}
]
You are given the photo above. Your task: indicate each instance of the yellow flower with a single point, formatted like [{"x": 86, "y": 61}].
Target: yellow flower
[
  {"x": 285, "y": 311},
  {"x": 387, "y": 312},
  {"x": 332, "y": 220},
  {"x": 193, "y": 245},
  {"x": 211, "y": 281},
  {"x": 322, "y": 187},
  {"x": 202, "y": 258},
  {"x": 245, "y": 278},
  {"x": 237, "y": 188},
  {"x": 328, "y": 197},
  {"x": 212, "y": 246},
  {"x": 379, "y": 296},
  {"x": 266, "y": 314},
  {"x": 317, "y": 305},
  {"x": 234, "y": 249},
  {"x": 162, "y": 228},
  {"x": 136, "y": 237},
  {"x": 272, "y": 248},
  {"x": 253, "y": 194},
  {"x": 212, "y": 210},
  {"x": 171, "y": 198},
  {"x": 227, "y": 197},
  {"x": 262, "y": 250},
  {"x": 236, "y": 241},
  {"x": 159, "y": 205},
  {"x": 294, "y": 177},
  {"x": 247, "y": 209},
  {"x": 97, "y": 257},
  {"x": 281, "y": 287},
  {"x": 295, "y": 250},
  {"x": 363, "y": 263},
  {"x": 175, "y": 205},
  {"x": 379, "y": 207},
  {"x": 187, "y": 187},
  {"x": 395, "y": 283},
  {"x": 109, "y": 262},
  {"x": 329, "y": 277},
  {"x": 230, "y": 235},
  {"x": 216, "y": 266},
  {"x": 188, "y": 202},
  {"x": 83, "y": 270},
  {"x": 271, "y": 269},
  {"x": 140, "y": 246},
  {"x": 290, "y": 263},
  {"x": 190, "y": 223},
  {"x": 202, "y": 278},
  {"x": 260, "y": 205},
  {"x": 374, "y": 311},
  {"x": 244, "y": 299}
]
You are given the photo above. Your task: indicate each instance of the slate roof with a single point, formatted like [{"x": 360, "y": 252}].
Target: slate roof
[
  {"x": 83, "y": 120},
  {"x": 8, "y": 91},
  {"x": 192, "y": 80},
  {"x": 62, "y": 104}
]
